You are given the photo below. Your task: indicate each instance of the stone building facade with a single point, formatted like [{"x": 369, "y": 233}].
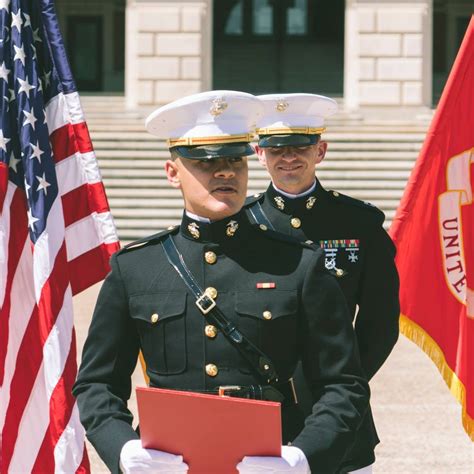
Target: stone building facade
[{"x": 370, "y": 53}]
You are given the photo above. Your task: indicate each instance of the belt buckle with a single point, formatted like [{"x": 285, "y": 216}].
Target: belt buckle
[
  {"x": 292, "y": 385},
  {"x": 205, "y": 303},
  {"x": 227, "y": 388}
]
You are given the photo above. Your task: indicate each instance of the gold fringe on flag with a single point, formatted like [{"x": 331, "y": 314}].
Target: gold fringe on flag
[{"x": 423, "y": 340}]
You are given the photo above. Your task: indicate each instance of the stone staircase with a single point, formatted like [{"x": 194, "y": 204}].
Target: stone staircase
[{"x": 367, "y": 160}]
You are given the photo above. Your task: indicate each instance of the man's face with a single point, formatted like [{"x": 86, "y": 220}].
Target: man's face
[
  {"x": 213, "y": 188},
  {"x": 292, "y": 168}
]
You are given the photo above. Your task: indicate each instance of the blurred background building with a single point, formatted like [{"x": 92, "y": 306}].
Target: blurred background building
[{"x": 385, "y": 62}]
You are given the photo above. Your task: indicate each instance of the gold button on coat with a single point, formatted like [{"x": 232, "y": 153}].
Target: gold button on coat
[
  {"x": 154, "y": 318},
  {"x": 211, "y": 292},
  {"x": 267, "y": 315},
  {"x": 295, "y": 222},
  {"x": 339, "y": 272},
  {"x": 211, "y": 370},
  {"x": 210, "y": 331},
  {"x": 210, "y": 257},
  {"x": 263, "y": 227},
  {"x": 335, "y": 194}
]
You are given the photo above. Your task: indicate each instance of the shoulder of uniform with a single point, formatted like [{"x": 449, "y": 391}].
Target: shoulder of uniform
[
  {"x": 138, "y": 244},
  {"x": 251, "y": 200},
  {"x": 364, "y": 205},
  {"x": 279, "y": 236}
]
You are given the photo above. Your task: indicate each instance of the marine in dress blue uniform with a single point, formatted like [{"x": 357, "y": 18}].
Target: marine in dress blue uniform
[
  {"x": 274, "y": 289},
  {"x": 358, "y": 251}
]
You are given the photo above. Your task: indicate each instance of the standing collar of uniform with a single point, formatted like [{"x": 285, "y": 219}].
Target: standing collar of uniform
[
  {"x": 305, "y": 202},
  {"x": 227, "y": 229},
  {"x": 309, "y": 191}
]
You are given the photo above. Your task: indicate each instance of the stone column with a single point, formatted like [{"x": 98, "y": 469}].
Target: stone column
[
  {"x": 388, "y": 54},
  {"x": 168, "y": 50}
]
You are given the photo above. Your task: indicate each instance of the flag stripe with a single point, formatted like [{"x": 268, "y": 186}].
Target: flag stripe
[
  {"x": 30, "y": 353},
  {"x": 69, "y": 139},
  {"x": 77, "y": 206}
]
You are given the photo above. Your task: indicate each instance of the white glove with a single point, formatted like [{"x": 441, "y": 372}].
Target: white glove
[
  {"x": 134, "y": 458},
  {"x": 292, "y": 461}
]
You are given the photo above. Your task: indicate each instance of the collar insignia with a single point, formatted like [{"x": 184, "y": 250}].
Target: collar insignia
[
  {"x": 310, "y": 202},
  {"x": 232, "y": 227},
  {"x": 194, "y": 230},
  {"x": 218, "y": 106},
  {"x": 280, "y": 202}
]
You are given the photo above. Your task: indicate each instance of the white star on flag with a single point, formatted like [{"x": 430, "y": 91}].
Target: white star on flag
[
  {"x": 19, "y": 54},
  {"x": 46, "y": 77},
  {"x": 13, "y": 162},
  {"x": 36, "y": 151},
  {"x": 31, "y": 220},
  {"x": 43, "y": 184},
  {"x": 30, "y": 119},
  {"x": 28, "y": 20},
  {"x": 17, "y": 21},
  {"x": 4, "y": 72},
  {"x": 25, "y": 86},
  {"x": 34, "y": 51},
  {"x": 27, "y": 187},
  {"x": 3, "y": 141},
  {"x": 4, "y": 4},
  {"x": 36, "y": 36}
]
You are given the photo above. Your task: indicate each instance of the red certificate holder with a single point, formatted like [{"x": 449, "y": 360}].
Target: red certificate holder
[{"x": 212, "y": 433}]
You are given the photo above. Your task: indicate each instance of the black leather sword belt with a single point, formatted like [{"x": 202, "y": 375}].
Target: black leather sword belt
[{"x": 283, "y": 392}]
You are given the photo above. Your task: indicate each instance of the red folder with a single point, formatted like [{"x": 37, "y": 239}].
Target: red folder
[{"x": 212, "y": 433}]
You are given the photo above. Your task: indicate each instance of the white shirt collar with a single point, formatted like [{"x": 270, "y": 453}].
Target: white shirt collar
[
  {"x": 294, "y": 196},
  {"x": 198, "y": 218}
]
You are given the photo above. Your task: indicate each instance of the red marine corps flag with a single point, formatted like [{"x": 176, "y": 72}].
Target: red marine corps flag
[
  {"x": 434, "y": 234},
  {"x": 56, "y": 236}
]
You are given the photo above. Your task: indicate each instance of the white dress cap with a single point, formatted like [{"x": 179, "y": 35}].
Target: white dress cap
[
  {"x": 294, "y": 114},
  {"x": 208, "y": 118}
]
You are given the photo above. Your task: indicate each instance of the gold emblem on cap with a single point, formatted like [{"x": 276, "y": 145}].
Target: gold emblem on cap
[
  {"x": 210, "y": 257},
  {"x": 218, "y": 106},
  {"x": 194, "y": 230},
  {"x": 295, "y": 222},
  {"x": 282, "y": 105},
  {"x": 210, "y": 331},
  {"x": 232, "y": 227},
  {"x": 267, "y": 315},
  {"x": 154, "y": 318},
  {"x": 211, "y": 292},
  {"x": 211, "y": 370},
  {"x": 310, "y": 202},
  {"x": 280, "y": 202}
]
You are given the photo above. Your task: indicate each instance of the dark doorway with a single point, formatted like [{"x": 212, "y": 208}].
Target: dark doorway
[
  {"x": 263, "y": 46},
  {"x": 449, "y": 26},
  {"x": 85, "y": 49}
]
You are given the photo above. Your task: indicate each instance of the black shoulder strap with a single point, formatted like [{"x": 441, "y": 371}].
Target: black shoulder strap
[
  {"x": 260, "y": 364},
  {"x": 259, "y": 216}
]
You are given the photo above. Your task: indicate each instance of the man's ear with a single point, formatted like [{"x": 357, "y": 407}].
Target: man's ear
[
  {"x": 322, "y": 148},
  {"x": 172, "y": 173},
  {"x": 261, "y": 155}
]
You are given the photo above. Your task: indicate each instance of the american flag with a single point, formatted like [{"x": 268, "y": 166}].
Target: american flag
[{"x": 56, "y": 236}]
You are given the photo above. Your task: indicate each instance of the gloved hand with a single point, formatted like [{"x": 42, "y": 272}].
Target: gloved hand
[
  {"x": 292, "y": 461},
  {"x": 134, "y": 458}
]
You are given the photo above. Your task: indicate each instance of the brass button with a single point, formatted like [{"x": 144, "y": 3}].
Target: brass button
[
  {"x": 212, "y": 292},
  {"x": 295, "y": 222},
  {"x": 309, "y": 242},
  {"x": 210, "y": 331},
  {"x": 211, "y": 370},
  {"x": 154, "y": 318},
  {"x": 263, "y": 227},
  {"x": 210, "y": 257},
  {"x": 267, "y": 315},
  {"x": 335, "y": 194},
  {"x": 339, "y": 272},
  {"x": 256, "y": 195}
]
